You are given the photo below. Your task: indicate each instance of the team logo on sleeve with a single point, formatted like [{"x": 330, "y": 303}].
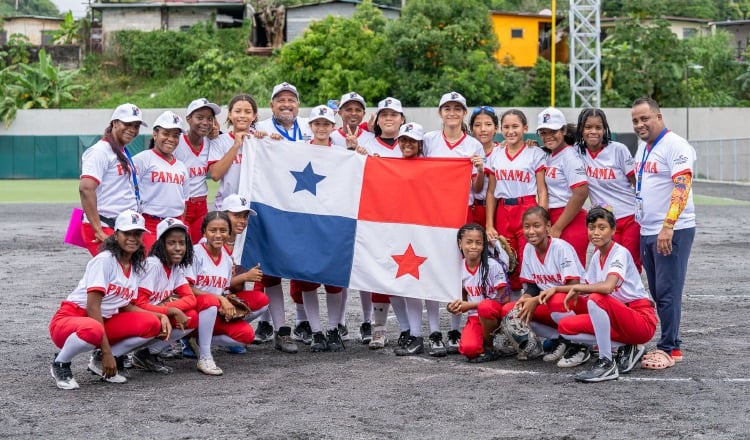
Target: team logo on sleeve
[
  {"x": 681, "y": 159},
  {"x": 546, "y": 117},
  {"x": 617, "y": 264},
  {"x": 566, "y": 263}
]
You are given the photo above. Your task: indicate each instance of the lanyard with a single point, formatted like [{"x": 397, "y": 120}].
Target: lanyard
[
  {"x": 133, "y": 173},
  {"x": 644, "y": 157},
  {"x": 285, "y": 133}
]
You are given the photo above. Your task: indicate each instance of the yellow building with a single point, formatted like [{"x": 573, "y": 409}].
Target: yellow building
[{"x": 525, "y": 37}]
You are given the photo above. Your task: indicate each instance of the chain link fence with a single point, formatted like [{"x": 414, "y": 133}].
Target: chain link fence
[{"x": 725, "y": 160}]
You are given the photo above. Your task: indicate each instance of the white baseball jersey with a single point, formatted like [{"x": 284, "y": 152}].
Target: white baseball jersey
[
  {"x": 516, "y": 175},
  {"x": 472, "y": 282},
  {"x": 115, "y": 192},
  {"x": 230, "y": 183},
  {"x": 159, "y": 281},
  {"x": 557, "y": 266},
  {"x": 339, "y": 137},
  {"x": 618, "y": 262},
  {"x": 209, "y": 275},
  {"x": 105, "y": 274},
  {"x": 607, "y": 171},
  {"x": 672, "y": 156},
  {"x": 163, "y": 184},
  {"x": 377, "y": 146},
  {"x": 299, "y": 133},
  {"x": 436, "y": 145},
  {"x": 482, "y": 195},
  {"x": 565, "y": 171},
  {"x": 196, "y": 163}
]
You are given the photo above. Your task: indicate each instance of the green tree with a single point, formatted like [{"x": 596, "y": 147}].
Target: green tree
[
  {"x": 69, "y": 31},
  {"x": 715, "y": 84},
  {"x": 29, "y": 7},
  {"x": 337, "y": 55},
  {"x": 442, "y": 45}
]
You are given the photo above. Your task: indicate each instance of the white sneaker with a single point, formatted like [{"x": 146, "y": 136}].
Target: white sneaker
[
  {"x": 95, "y": 366},
  {"x": 63, "y": 376},
  {"x": 379, "y": 339},
  {"x": 575, "y": 356},
  {"x": 557, "y": 353},
  {"x": 208, "y": 366}
]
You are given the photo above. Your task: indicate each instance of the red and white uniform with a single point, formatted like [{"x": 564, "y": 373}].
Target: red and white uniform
[
  {"x": 515, "y": 178},
  {"x": 210, "y": 275},
  {"x": 230, "y": 183},
  {"x": 376, "y": 146},
  {"x": 670, "y": 157},
  {"x": 608, "y": 170},
  {"x": 339, "y": 137},
  {"x": 163, "y": 185},
  {"x": 299, "y": 133},
  {"x": 196, "y": 163},
  {"x": 632, "y": 315},
  {"x": 436, "y": 145},
  {"x": 471, "y": 343},
  {"x": 565, "y": 171},
  {"x": 160, "y": 282},
  {"x": 115, "y": 192},
  {"x": 104, "y": 273},
  {"x": 478, "y": 210}
]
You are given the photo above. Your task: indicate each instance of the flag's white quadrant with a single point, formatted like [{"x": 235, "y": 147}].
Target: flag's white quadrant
[{"x": 407, "y": 260}]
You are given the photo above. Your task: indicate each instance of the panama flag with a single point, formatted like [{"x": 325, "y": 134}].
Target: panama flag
[{"x": 340, "y": 218}]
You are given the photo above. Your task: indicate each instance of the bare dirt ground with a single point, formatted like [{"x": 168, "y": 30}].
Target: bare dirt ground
[{"x": 373, "y": 394}]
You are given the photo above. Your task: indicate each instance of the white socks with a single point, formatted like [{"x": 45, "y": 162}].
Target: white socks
[
  {"x": 334, "y": 305},
  {"x": 129, "y": 344},
  {"x": 73, "y": 347},
  {"x": 312, "y": 310},
  {"x": 366, "y": 299},
  {"x": 433, "y": 314},
  {"x": 224, "y": 341},
  {"x": 206, "y": 321},
  {"x": 414, "y": 314},
  {"x": 256, "y": 313},
  {"x": 276, "y": 305},
  {"x": 399, "y": 309},
  {"x": 602, "y": 329}
]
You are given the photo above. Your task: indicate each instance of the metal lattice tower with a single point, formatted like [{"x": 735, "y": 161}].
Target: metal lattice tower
[{"x": 585, "y": 54}]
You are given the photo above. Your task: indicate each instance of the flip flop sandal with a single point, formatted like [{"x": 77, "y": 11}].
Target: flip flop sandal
[{"x": 657, "y": 360}]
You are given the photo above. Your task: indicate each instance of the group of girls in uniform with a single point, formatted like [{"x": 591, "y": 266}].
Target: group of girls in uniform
[{"x": 163, "y": 263}]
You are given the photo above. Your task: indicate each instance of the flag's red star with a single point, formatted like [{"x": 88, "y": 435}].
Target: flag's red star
[{"x": 408, "y": 263}]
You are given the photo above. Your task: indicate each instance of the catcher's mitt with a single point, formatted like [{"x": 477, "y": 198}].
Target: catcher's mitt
[
  {"x": 241, "y": 310},
  {"x": 519, "y": 334},
  {"x": 506, "y": 253}
]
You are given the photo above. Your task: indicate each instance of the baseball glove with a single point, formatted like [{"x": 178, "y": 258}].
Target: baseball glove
[
  {"x": 505, "y": 253},
  {"x": 519, "y": 334},
  {"x": 241, "y": 309}
]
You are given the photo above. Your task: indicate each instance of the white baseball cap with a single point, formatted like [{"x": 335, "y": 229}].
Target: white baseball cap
[
  {"x": 390, "y": 103},
  {"x": 453, "y": 97},
  {"x": 412, "y": 130},
  {"x": 352, "y": 96},
  {"x": 322, "y": 112},
  {"x": 200, "y": 103},
  {"x": 169, "y": 120},
  {"x": 284, "y": 87},
  {"x": 128, "y": 113},
  {"x": 167, "y": 224},
  {"x": 236, "y": 203},
  {"x": 551, "y": 118},
  {"x": 130, "y": 220}
]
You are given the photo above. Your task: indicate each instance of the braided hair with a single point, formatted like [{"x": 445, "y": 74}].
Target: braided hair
[
  {"x": 484, "y": 264},
  {"x": 582, "y": 117},
  {"x": 118, "y": 149}
]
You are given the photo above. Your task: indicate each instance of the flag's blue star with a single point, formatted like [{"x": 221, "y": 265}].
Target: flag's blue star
[{"x": 307, "y": 179}]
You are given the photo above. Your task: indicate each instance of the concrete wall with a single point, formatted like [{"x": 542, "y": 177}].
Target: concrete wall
[
  {"x": 705, "y": 123},
  {"x": 31, "y": 27},
  {"x": 299, "y": 18}
]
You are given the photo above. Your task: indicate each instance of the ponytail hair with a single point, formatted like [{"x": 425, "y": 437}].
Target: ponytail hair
[
  {"x": 484, "y": 264},
  {"x": 118, "y": 149}
]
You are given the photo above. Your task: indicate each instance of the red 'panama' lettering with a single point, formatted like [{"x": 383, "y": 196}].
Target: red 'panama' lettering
[
  {"x": 211, "y": 281},
  {"x": 119, "y": 170},
  {"x": 238, "y": 159},
  {"x": 514, "y": 175},
  {"x": 556, "y": 279},
  {"x": 473, "y": 291},
  {"x": 123, "y": 292},
  {"x": 648, "y": 167},
  {"x": 600, "y": 173},
  {"x": 551, "y": 172},
  {"x": 167, "y": 177},
  {"x": 198, "y": 171}
]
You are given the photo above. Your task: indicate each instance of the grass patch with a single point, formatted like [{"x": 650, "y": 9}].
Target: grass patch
[{"x": 717, "y": 201}]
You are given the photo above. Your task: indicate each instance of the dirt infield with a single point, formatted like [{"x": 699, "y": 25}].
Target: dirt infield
[{"x": 373, "y": 394}]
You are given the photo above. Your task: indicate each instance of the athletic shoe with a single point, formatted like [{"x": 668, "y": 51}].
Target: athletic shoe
[
  {"x": 144, "y": 360},
  {"x": 503, "y": 346},
  {"x": 628, "y": 356},
  {"x": 303, "y": 333},
  {"x": 95, "y": 367},
  {"x": 208, "y": 366},
  {"x": 414, "y": 345},
  {"x": 403, "y": 339},
  {"x": 237, "y": 349},
  {"x": 343, "y": 332},
  {"x": 319, "y": 342},
  {"x": 335, "y": 342},
  {"x": 486, "y": 356},
  {"x": 557, "y": 351},
  {"x": 63, "y": 375},
  {"x": 172, "y": 351},
  {"x": 365, "y": 332},
  {"x": 122, "y": 361},
  {"x": 575, "y": 355},
  {"x": 379, "y": 339},
  {"x": 127, "y": 361},
  {"x": 603, "y": 369},
  {"x": 263, "y": 333},
  {"x": 283, "y": 340},
  {"x": 187, "y": 351},
  {"x": 454, "y": 336},
  {"x": 437, "y": 348}
]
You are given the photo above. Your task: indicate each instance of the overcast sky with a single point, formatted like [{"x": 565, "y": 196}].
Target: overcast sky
[{"x": 77, "y": 6}]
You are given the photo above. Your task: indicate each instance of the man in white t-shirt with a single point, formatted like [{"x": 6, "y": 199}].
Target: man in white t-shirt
[
  {"x": 664, "y": 169},
  {"x": 284, "y": 122}
]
